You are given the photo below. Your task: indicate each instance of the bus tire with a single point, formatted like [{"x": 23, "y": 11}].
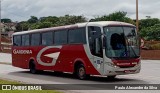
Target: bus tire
[
  {"x": 58, "y": 72},
  {"x": 32, "y": 67},
  {"x": 111, "y": 77},
  {"x": 81, "y": 72}
]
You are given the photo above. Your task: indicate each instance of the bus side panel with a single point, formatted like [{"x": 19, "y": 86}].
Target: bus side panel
[
  {"x": 69, "y": 54},
  {"x": 15, "y": 58},
  {"x": 19, "y": 57},
  {"x": 36, "y": 50},
  {"x": 73, "y": 53}
]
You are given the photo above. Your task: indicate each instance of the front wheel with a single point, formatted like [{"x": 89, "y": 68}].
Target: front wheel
[{"x": 81, "y": 72}]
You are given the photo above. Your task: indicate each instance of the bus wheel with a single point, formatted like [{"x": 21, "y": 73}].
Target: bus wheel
[
  {"x": 81, "y": 72},
  {"x": 32, "y": 68},
  {"x": 58, "y": 72},
  {"x": 111, "y": 77}
]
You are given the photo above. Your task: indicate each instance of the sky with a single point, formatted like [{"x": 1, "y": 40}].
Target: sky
[{"x": 21, "y": 10}]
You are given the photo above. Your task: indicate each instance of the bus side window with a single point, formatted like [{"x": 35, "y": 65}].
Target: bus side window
[
  {"x": 35, "y": 39},
  {"x": 47, "y": 38},
  {"x": 77, "y": 36},
  {"x": 17, "y": 40},
  {"x": 95, "y": 42},
  {"x": 25, "y": 40},
  {"x": 60, "y": 37}
]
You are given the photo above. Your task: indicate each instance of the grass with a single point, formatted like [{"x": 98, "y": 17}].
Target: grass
[
  {"x": 5, "y": 63},
  {"x": 8, "y": 82},
  {"x": 23, "y": 91},
  {"x": 32, "y": 91},
  {"x": 155, "y": 46}
]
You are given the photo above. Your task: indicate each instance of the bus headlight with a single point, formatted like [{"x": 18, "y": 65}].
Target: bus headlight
[
  {"x": 134, "y": 63},
  {"x": 111, "y": 64}
]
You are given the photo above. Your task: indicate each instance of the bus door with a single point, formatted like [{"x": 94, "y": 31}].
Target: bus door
[{"x": 95, "y": 44}]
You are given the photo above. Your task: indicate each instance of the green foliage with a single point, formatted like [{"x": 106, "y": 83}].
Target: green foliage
[
  {"x": 41, "y": 25},
  {"x": 155, "y": 46},
  {"x": 50, "y": 21},
  {"x": 6, "y": 20},
  {"x": 144, "y": 23},
  {"x": 22, "y": 26},
  {"x": 117, "y": 16},
  {"x": 30, "y": 91},
  {"x": 8, "y": 82},
  {"x": 71, "y": 19},
  {"x": 151, "y": 33},
  {"x": 149, "y": 28},
  {"x": 33, "y": 19}
]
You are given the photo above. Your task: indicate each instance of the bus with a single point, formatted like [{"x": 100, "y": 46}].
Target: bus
[{"x": 104, "y": 48}]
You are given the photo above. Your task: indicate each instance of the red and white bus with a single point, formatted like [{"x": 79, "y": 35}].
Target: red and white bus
[{"x": 105, "y": 48}]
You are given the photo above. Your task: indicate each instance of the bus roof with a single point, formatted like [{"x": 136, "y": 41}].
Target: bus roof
[{"x": 99, "y": 23}]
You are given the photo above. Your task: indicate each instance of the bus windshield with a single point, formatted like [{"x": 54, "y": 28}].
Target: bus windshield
[{"x": 121, "y": 42}]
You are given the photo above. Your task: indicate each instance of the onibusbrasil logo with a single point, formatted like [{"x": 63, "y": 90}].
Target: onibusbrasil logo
[{"x": 21, "y": 87}]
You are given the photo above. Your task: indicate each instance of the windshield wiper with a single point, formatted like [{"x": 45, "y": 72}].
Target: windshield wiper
[
  {"x": 131, "y": 48},
  {"x": 134, "y": 52}
]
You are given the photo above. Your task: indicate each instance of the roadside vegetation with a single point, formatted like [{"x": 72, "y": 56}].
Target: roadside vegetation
[
  {"x": 149, "y": 28},
  {"x": 152, "y": 45}
]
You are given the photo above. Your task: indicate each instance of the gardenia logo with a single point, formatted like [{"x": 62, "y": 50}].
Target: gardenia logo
[{"x": 22, "y": 51}]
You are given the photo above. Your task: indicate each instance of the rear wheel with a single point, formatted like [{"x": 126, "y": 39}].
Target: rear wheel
[
  {"x": 58, "y": 72},
  {"x": 81, "y": 72},
  {"x": 32, "y": 67},
  {"x": 111, "y": 77}
]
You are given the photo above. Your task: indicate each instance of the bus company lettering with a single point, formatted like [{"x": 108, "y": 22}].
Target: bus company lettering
[{"x": 22, "y": 51}]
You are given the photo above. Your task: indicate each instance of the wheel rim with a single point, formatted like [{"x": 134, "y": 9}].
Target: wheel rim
[{"x": 81, "y": 72}]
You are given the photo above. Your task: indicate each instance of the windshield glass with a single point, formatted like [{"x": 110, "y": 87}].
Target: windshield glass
[{"x": 121, "y": 42}]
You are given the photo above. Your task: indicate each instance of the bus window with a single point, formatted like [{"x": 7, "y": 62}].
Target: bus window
[
  {"x": 95, "y": 42},
  {"x": 47, "y": 38},
  {"x": 35, "y": 39},
  {"x": 17, "y": 40},
  {"x": 25, "y": 40},
  {"x": 60, "y": 37},
  {"x": 77, "y": 36}
]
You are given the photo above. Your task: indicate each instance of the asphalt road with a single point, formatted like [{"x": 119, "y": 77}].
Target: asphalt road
[{"x": 150, "y": 74}]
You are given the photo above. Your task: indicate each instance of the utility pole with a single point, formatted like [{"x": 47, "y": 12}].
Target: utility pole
[
  {"x": 0, "y": 27},
  {"x": 137, "y": 20}
]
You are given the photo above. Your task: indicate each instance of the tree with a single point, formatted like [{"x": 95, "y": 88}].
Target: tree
[
  {"x": 117, "y": 16},
  {"x": 52, "y": 19},
  {"x": 40, "y": 25},
  {"x": 6, "y": 20},
  {"x": 151, "y": 33},
  {"x": 71, "y": 19},
  {"x": 22, "y": 26},
  {"x": 33, "y": 19},
  {"x": 144, "y": 23}
]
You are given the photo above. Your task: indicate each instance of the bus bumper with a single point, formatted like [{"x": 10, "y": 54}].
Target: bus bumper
[{"x": 114, "y": 70}]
